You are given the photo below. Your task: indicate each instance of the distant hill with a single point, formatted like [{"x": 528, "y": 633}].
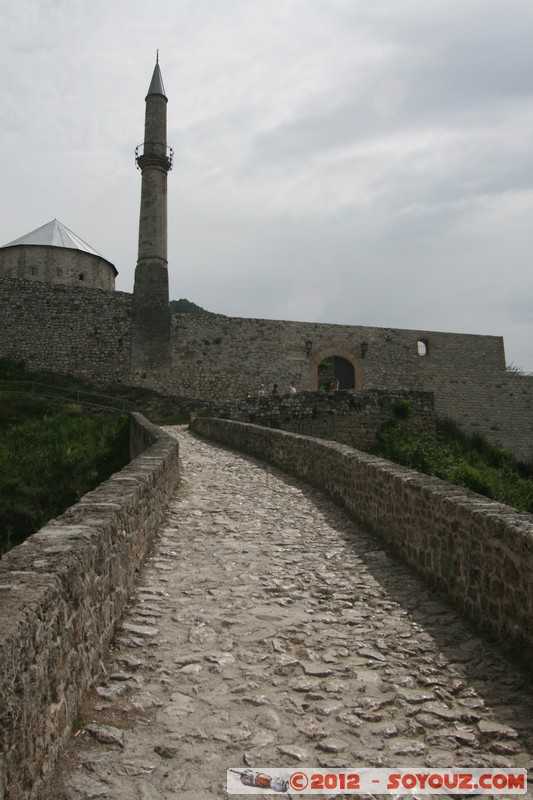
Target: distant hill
[{"x": 184, "y": 306}]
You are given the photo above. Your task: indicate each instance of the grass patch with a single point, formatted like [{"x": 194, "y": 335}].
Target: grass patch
[{"x": 462, "y": 459}]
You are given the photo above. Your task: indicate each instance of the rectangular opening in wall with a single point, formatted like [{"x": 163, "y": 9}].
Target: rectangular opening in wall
[{"x": 423, "y": 347}]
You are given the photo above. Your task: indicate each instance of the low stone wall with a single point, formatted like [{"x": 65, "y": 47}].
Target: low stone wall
[
  {"x": 478, "y": 552},
  {"x": 352, "y": 417},
  {"x": 62, "y": 593}
]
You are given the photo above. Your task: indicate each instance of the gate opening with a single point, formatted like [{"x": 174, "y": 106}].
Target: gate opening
[{"x": 334, "y": 373}]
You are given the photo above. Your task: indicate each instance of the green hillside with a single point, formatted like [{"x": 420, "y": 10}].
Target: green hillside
[
  {"x": 184, "y": 306},
  {"x": 50, "y": 454}
]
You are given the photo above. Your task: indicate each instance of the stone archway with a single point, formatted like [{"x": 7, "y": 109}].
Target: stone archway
[{"x": 343, "y": 362}]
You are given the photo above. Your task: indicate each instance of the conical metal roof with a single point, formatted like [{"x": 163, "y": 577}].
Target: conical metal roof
[
  {"x": 156, "y": 85},
  {"x": 55, "y": 234}
]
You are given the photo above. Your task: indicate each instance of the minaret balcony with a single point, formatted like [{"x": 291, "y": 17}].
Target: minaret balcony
[{"x": 160, "y": 155}]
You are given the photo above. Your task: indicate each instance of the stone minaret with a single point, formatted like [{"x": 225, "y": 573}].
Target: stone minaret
[{"x": 151, "y": 352}]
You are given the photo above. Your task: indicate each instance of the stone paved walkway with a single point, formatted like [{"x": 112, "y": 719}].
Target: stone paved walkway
[{"x": 268, "y": 630}]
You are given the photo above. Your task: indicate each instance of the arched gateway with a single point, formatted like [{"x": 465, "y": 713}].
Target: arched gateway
[{"x": 336, "y": 363}]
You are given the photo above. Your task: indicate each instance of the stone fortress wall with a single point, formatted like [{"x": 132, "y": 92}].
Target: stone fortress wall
[
  {"x": 65, "y": 329},
  {"x": 88, "y": 332},
  {"x": 62, "y": 593},
  {"x": 223, "y": 357}
]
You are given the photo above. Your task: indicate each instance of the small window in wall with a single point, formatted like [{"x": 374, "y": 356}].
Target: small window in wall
[
  {"x": 59, "y": 273},
  {"x": 33, "y": 271},
  {"x": 423, "y": 347},
  {"x": 82, "y": 276}
]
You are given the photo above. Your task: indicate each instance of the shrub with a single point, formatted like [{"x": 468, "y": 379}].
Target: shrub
[
  {"x": 424, "y": 452},
  {"x": 465, "y": 460},
  {"x": 471, "y": 478},
  {"x": 402, "y": 409}
]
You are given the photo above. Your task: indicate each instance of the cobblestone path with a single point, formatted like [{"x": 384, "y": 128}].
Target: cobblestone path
[{"x": 268, "y": 630}]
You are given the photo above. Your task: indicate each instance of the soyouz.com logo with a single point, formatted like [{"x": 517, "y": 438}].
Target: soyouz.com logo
[{"x": 401, "y": 781}]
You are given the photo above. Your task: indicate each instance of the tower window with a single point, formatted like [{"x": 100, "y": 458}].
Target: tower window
[
  {"x": 422, "y": 347},
  {"x": 82, "y": 276}
]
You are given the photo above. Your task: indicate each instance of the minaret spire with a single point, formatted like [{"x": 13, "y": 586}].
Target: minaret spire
[
  {"x": 151, "y": 312},
  {"x": 156, "y": 84}
]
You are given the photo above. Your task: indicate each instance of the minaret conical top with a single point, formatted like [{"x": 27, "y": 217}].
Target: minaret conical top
[{"x": 156, "y": 85}]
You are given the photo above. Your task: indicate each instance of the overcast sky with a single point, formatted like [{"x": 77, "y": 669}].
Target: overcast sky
[{"x": 365, "y": 162}]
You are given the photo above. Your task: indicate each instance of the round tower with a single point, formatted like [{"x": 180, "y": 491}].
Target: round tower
[
  {"x": 151, "y": 352},
  {"x": 55, "y": 254}
]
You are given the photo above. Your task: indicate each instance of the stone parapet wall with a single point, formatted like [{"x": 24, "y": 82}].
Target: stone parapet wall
[
  {"x": 350, "y": 417},
  {"x": 478, "y": 552},
  {"x": 62, "y": 593}
]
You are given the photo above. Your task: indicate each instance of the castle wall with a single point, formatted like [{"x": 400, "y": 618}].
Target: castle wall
[
  {"x": 480, "y": 553},
  {"x": 499, "y": 408},
  {"x": 225, "y": 357},
  {"x": 88, "y": 332},
  {"x": 66, "y": 329},
  {"x": 57, "y": 265}
]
